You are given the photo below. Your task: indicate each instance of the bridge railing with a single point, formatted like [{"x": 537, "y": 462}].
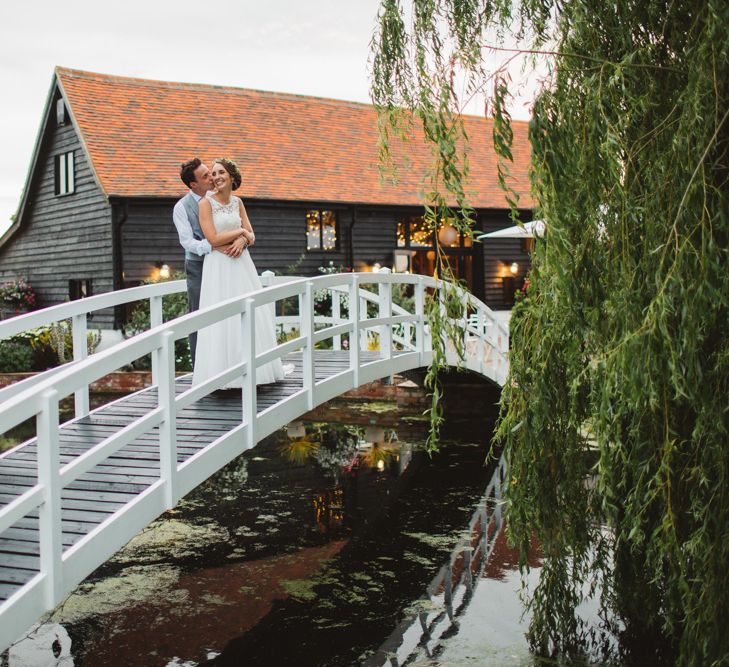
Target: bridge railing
[
  {"x": 60, "y": 570},
  {"x": 78, "y": 312},
  {"x": 81, "y": 310}
]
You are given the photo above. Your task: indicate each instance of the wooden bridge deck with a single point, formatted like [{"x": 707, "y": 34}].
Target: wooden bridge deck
[{"x": 94, "y": 496}]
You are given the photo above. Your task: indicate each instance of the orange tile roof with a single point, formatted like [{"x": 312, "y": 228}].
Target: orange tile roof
[{"x": 289, "y": 147}]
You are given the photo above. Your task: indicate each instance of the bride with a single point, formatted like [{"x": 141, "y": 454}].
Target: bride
[{"x": 223, "y": 220}]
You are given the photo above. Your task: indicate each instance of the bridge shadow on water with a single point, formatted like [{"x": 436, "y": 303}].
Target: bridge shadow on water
[{"x": 307, "y": 551}]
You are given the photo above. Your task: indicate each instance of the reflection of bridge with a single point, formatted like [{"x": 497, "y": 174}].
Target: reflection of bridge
[{"x": 103, "y": 476}]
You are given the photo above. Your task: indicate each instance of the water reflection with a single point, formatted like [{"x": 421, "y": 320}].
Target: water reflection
[{"x": 305, "y": 550}]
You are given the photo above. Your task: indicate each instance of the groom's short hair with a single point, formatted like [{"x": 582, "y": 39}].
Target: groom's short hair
[{"x": 187, "y": 170}]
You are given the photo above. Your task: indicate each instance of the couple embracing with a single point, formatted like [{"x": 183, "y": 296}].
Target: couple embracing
[{"x": 215, "y": 232}]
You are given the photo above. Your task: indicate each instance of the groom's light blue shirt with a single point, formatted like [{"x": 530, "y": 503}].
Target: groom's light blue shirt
[{"x": 184, "y": 230}]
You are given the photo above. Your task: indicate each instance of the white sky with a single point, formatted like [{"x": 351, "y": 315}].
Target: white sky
[{"x": 310, "y": 47}]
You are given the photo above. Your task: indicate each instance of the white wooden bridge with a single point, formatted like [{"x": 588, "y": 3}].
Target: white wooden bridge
[{"x": 76, "y": 493}]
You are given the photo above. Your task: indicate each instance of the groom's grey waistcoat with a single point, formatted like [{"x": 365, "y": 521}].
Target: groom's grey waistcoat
[{"x": 193, "y": 216}]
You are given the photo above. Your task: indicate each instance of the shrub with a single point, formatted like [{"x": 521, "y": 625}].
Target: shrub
[
  {"x": 173, "y": 305},
  {"x": 42, "y": 348},
  {"x": 15, "y": 356}
]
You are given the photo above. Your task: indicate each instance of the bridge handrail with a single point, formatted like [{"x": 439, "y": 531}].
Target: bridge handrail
[
  {"x": 87, "y": 305},
  {"x": 279, "y": 290},
  {"x": 146, "y": 343},
  {"x": 79, "y": 310},
  {"x": 70, "y": 379}
]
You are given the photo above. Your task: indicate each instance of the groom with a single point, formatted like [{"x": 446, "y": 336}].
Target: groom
[{"x": 196, "y": 176}]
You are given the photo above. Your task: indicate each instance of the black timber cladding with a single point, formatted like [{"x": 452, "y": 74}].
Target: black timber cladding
[
  {"x": 64, "y": 237},
  {"x": 149, "y": 239}
]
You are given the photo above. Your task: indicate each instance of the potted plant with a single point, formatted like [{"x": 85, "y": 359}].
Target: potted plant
[{"x": 16, "y": 297}]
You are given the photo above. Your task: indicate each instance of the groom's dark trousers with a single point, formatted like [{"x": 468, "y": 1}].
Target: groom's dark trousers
[{"x": 193, "y": 269}]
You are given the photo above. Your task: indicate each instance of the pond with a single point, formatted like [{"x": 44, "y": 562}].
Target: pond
[{"x": 309, "y": 550}]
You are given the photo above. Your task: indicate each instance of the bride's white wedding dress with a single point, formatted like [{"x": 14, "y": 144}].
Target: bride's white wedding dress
[{"x": 221, "y": 345}]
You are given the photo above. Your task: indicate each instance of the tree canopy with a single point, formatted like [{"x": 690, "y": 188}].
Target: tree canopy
[{"x": 615, "y": 420}]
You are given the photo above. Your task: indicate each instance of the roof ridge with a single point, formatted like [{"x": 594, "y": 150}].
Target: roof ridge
[
  {"x": 181, "y": 85},
  {"x": 138, "y": 81}
]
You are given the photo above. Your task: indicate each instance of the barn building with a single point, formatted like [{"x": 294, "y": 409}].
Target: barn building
[{"x": 96, "y": 212}]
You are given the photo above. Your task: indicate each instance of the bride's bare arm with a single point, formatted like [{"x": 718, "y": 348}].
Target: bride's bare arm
[
  {"x": 216, "y": 239},
  {"x": 245, "y": 224}
]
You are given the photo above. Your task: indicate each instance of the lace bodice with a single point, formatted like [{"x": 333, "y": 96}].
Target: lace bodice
[{"x": 226, "y": 217}]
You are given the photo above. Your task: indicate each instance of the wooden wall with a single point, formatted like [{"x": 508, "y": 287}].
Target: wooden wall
[
  {"x": 498, "y": 254},
  {"x": 149, "y": 239},
  {"x": 61, "y": 237}
]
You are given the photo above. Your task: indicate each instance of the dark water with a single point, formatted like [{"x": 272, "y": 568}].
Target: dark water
[{"x": 306, "y": 552}]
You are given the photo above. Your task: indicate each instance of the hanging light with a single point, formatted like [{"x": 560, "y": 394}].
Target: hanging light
[
  {"x": 514, "y": 268},
  {"x": 448, "y": 235}
]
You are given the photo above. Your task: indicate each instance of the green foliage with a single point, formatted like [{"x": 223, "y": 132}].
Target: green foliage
[
  {"x": 15, "y": 356},
  {"x": 42, "y": 348},
  {"x": 173, "y": 305},
  {"x": 444, "y": 309},
  {"x": 615, "y": 419}
]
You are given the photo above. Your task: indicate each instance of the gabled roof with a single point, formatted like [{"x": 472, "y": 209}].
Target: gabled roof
[{"x": 289, "y": 147}]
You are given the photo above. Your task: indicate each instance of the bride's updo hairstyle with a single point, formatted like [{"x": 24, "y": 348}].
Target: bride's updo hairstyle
[{"x": 232, "y": 169}]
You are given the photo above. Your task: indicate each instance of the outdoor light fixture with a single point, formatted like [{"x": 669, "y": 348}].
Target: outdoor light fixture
[
  {"x": 514, "y": 268},
  {"x": 164, "y": 271},
  {"x": 448, "y": 235}
]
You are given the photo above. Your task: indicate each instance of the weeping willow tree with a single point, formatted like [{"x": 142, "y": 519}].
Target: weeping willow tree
[{"x": 615, "y": 420}]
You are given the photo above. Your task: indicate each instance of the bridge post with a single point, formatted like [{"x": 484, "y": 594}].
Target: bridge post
[
  {"x": 250, "y": 390},
  {"x": 363, "y": 340},
  {"x": 165, "y": 381},
  {"x": 464, "y": 323},
  {"x": 80, "y": 352},
  {"x": 49, "y": 513},
  {"x": 336, "y": 316},
  {"x": 481, "y": 340},
  {"x": 503, "y": 347},
  {"x": 155, "y": 320},
  {"x": 354, "y": 347},
  {"x": 420, "y": 322},
  {"x": 384, "y": 291},
  {"x": 307, "y": 331},
  {"x": 267, "y": 278}
]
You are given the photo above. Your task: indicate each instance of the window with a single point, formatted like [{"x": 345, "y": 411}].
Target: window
[
  {"x": 321, "y": 230},
  {"x": 416, "y": 251},
  {"x": 414, "y": 233},
  {"x": 65, "y": 174},
  {"x": 79, "y": 288}
]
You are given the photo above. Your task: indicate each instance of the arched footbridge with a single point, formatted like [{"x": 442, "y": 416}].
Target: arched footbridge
[{"x": 77, "y": 492}]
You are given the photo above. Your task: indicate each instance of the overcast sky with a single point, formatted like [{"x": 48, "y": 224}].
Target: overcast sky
[{"x": 310, "y": 47}]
